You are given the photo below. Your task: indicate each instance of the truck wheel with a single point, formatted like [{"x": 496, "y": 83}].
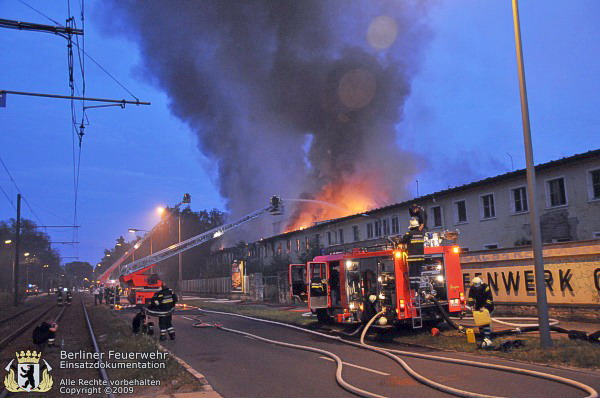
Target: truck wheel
[{"x": 322, "y": 315}]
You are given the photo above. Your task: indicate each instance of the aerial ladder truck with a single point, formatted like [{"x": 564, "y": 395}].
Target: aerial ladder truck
[{"x": 142, "y": 287}]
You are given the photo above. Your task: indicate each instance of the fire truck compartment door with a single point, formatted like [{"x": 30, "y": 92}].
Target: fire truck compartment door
[
  {"x": 298, "y": 285},
  {"x": 318, "y": 285}
]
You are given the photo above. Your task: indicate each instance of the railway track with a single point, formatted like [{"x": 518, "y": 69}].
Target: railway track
[
  {"x": 13, "y": 316},
  {"x": 19, "y": 333},
  {"x": 7, "y": 324},
  {"x": 90, "y": 329}
]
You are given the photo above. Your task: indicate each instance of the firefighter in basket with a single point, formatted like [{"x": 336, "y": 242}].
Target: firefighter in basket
[
  {"x": 414, "y": 239},
  {"x": 481, "y": 302},
  {"x": 162, "y": 305}
]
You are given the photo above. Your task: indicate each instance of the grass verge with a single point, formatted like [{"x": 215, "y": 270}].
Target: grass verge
[
  {"x": 570, "y": 353},
  {"x": 114, "y": 333}
]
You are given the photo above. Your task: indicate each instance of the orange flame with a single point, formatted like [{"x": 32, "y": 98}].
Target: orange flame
[{"x": 353, "y": 195}]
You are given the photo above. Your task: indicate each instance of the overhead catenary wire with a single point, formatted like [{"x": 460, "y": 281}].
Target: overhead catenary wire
[
  {"x": 19, "y": 190},
  {"x": 41, "y": 13},
  {"x": 7, "y": 197}
]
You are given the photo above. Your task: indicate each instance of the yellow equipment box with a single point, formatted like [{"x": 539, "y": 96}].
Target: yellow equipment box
[
  {"x": 470, "y": 336},
  {"x": 482, "y": 318}
]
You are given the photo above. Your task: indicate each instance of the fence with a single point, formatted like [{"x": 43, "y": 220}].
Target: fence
[
  {"x": 212, "y": 285},
  {"x": 256, "y": 286}
]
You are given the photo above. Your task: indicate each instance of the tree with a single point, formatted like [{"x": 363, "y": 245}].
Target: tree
[
  {"x": 167, "y": 234},
  {"x": 39, "y": 267},
  {"x": 78, "y": 274}
]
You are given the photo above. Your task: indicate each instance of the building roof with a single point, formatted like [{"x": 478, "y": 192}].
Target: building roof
[{"x": 485, "y": 181}]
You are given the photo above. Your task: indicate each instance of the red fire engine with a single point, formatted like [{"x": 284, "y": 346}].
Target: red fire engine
[
  {"x": 141, "y": 287},
  {"x": 352, "y": 287}
]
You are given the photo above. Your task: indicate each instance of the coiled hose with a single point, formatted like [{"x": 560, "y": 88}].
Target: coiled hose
[{"x": 388, "y": 352}]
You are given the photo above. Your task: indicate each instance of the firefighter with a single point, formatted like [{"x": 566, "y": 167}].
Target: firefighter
[
  {"x": 162, "y": 305},
  {"x": 118, "y": 292},
  {"x": 110, "y": 298},
  {"x": 480, "y": 298},
  {"x": 59, "y": 296},
  {"x": 100, "y": 293},
  {"x": 106, "y": 294},
  {"x": 67, "y": 296},
  {"x": 44, "y": 333},
  {"x": 419, "y": 213},
  {"x": 414, "y": 239}
]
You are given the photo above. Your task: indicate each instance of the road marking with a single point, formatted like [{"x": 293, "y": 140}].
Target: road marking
[
  {"x": 358, "y": 367},
  {"x": 189, "y": 319}
]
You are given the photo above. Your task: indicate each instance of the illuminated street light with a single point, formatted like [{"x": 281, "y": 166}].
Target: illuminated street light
[
  {"x": 134, "y": 230},
  {"x": 26, "y": 254},
  {"x": 8, "y": 241}
]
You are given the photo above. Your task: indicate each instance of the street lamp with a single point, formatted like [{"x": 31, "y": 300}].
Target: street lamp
[
  {"x": 43, "y": 276},
  {"x": 187, "y": 199}
]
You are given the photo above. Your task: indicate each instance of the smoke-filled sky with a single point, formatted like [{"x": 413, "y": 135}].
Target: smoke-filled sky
[
  {"x": 286, "y": 97},
  {"x": 262, "y": 97}
]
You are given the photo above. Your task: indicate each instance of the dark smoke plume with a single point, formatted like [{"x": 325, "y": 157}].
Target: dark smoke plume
[{"x": 286, "y": 96}]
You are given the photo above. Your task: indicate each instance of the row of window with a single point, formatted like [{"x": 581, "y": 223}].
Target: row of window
[{"x": 556, "y": 196}]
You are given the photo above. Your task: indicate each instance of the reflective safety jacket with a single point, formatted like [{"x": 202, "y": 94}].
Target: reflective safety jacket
[
  {"x": 481, "y": 297},
  {"x": 415, "y": 241},
  {"x": 163, "y": 302}
]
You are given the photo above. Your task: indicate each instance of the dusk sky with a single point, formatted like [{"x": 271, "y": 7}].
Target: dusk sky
[{"x": 462, "y": 116}]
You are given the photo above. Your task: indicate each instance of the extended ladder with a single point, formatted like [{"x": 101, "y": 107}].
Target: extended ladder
[{"x": 275, "y": 207}]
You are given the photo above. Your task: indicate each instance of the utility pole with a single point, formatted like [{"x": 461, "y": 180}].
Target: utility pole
[
  {"x": 180, "y": 282},
  {"x": 16, "y": 263},
  {"x": 536, "y": 238}
]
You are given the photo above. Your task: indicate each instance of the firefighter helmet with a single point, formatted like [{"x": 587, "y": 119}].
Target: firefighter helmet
[
  {"x": 477, "y": 281},
  {"x": 413, "y": 222}
]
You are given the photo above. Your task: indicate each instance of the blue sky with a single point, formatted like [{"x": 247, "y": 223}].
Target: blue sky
[{"x": 464, "y": 109}]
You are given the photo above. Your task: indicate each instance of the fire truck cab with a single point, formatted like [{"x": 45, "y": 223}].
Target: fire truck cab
[
  {"x": 141, "y": 287},
  {"x": 353, "y": 287}
]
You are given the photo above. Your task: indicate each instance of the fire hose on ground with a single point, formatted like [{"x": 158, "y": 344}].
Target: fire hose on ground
[
  {"x": 519, "y": 328},
  {"x": 390, "y": 353}
]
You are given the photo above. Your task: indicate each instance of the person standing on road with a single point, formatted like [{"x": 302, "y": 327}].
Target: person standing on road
[
  {"x": 96, "y": 293},
  {"x": 101, "y": 293},
  {"x": 107, "y": 295},
  {"x": 59, "y": 296},
  {"x": 162, "y": 305},
  {"x": 481, "y": 299}
]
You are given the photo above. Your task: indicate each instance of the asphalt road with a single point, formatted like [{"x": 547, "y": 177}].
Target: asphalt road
[{"x": 239, "y": 366}]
